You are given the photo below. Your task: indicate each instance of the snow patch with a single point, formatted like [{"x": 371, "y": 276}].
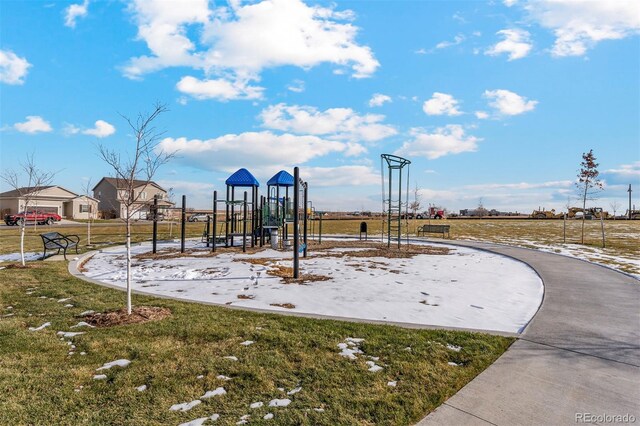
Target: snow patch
[
  {"x": 279, "y": 402},
  {"x": 117, "y": 363},
  {"x": 43, "y": 326},
  {"x": 217, "y": 392},
  {"x": 185, "y": 406}
]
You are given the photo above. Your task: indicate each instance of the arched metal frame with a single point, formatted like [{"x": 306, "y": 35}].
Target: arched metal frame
[{"x": 392, "y": 206}]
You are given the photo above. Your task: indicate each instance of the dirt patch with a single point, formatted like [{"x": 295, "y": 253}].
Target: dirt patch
[
  {"x": 81, "y": 267},
  {"x": 284, "y": 272},
  {"x": 19, "y": 266},
  {"x": 406, "y": 251},
  {"x": 246, "y": 296},
  {"x": 139, "y": 314},
  {"x": 192, "y": 252},
  {"x": 284, "y": 305}
]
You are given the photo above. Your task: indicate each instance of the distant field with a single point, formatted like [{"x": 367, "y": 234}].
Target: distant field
[{"x": 622, "y": 237}]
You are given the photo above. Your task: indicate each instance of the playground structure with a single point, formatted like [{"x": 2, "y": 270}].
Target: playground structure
[
  {"x": 394, "y": 221},
  {"x": 253, "y": 219}
]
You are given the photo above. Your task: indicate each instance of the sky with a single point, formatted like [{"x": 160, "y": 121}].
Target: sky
[{"x": 492, "y": 102}]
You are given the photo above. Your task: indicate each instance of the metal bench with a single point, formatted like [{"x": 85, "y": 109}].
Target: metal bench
[
  {"x": 434, "y": 229},
  {"x": 57, "y": 241}
]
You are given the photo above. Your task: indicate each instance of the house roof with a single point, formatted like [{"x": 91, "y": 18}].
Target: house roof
[
  {"x": 282, "y": 178},
  {"x": 136, "y": 183},
  {"x": 87, "y": 196},
  {"x": 30, "y": 189},
  {"x": 242, "y": 178}
]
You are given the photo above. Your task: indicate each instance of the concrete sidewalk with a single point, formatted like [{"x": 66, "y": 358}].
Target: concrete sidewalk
[{"x": 579, "y": 356}]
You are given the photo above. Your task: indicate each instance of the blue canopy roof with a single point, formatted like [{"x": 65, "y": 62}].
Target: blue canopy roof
[
  {"x": 242, "y": 178},
  {"x": 282, "y": 178}
]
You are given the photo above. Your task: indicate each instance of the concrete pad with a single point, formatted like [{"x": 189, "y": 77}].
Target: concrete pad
[{"x": 57, "y": 258}]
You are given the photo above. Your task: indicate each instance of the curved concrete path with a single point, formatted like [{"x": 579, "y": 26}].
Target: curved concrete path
[{"x": 579, "y": 354}]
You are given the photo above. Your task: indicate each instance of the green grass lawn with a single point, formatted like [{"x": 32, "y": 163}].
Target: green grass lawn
[{"x": 41, "y": 383}]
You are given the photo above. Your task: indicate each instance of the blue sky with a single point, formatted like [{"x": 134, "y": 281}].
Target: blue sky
[{"x": 493, "y": 101}]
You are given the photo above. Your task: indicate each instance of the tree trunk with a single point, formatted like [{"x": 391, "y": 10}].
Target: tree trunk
[
  {"x": 584, "y": 211},
  {"x": 22, "y": 226},
  {"x": 128, "y": 221}
]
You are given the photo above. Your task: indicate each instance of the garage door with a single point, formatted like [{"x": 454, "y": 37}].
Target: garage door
[{"x": 47, "y": 209}]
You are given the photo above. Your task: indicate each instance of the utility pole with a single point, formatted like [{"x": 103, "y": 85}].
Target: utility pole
[{"x": 629, "y": 191}]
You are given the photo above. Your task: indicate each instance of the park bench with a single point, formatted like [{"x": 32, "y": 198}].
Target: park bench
[
  {"x": 433, "y": 229},
  {"x": 57, "y": 241}
]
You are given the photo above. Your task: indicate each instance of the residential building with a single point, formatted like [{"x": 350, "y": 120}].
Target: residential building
[
  {"x": 50, "y": 199},
  {"x": 110, "y": 193}
]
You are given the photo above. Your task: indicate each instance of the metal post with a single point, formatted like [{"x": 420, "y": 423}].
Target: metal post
[
  {"x": 305, "y": 221},
  {"x": 320, "y": 230},
  {"x": 629, "y": 191},
  {"x": 296, "y": 220},
  {"x": 400, "y": 207},
  {"x": 253, "y": 216},
  {"x": 244, "y": 223},
  {"x": 208, "y": 229},
  {"x": 564, "y": 229},
  {"x": 215, "y": 220},
  {"x": 233, "y": 213},
  {"x": 183, "y": 225},
  {"x": 602, "y": 226},
  {"x": 226, "y": 220},
  {"x": 389, "y": 210},
  {"x": 155, "y": 223},
  {"x": 261, "y": 218}
]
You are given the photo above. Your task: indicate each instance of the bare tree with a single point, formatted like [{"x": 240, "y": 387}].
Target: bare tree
[
  {"x": 614, "y": 207},
  {"x": 36, "y": 181},
  {"x": 588, "y": 184},
  {"x": 414, "y": 206},
  {"x": 135, "y": 173}
]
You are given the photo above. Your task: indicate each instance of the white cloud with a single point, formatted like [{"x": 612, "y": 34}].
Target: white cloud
[
  {"x": 580, "y": 24},
  {"x": 626, "y": 170},
  {"x": 516, "y": 44},
  {"x": 509, "y": 3},
  {"x": 456, "y": 40},
  {"x": 13, "y": 69},
  {"x": 341, "y": 176},
  {"x": 34, "y": 124},
  {"x": 441, "y": 104},
  {"x": 296, "y": 86},
  {"x": 378, "y": 99},
  {"x": 335, "y": 123},
  {"x": 481, "y": 115},
  {"x": 102, "y": 129},
  {"x": 236, "y": 43},
  {"x": 522, "y": 185},
  {"x": 250, "y": 149},
  {"x": 74, "y": 12},
  {"x": 447, "y": 140},
  {"x": 220, "y": 89},
  {"x": 509, "y": 103}
]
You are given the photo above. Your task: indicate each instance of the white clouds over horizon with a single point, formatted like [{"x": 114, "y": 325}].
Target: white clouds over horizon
[
  {"x": 447, "y": 140},
  {"x": 516, "y": 44},
  {"x": 334, "y": 123},
  {"x": 237, "y": 43},
  {"x": 250, "y": 149},
  {"x": 34, "y": 124},
  {"x": 579, "y": 25},
  {"x": 101, "y": 129},
  {"x": 441, "y": 104},
  {"x": 75, "y": 11},
  {"x": 13, "y": 68},
  {"x": 378, "y": 99},
  {"x": 509, "y": 103}
]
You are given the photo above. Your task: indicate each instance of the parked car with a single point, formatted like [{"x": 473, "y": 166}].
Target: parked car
[
  {"x": 41, "y": 218},
  {"x": 198, "y": 217}
]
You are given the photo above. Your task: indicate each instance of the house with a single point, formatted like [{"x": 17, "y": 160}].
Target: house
[
  {"x": 110, "y": 193},
  {"x": 50, "y": 199}
]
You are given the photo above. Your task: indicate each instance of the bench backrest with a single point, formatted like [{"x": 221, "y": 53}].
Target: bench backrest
[
  {"x": 51, "y": 235},
  {"x": 435, "y": 228}
]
